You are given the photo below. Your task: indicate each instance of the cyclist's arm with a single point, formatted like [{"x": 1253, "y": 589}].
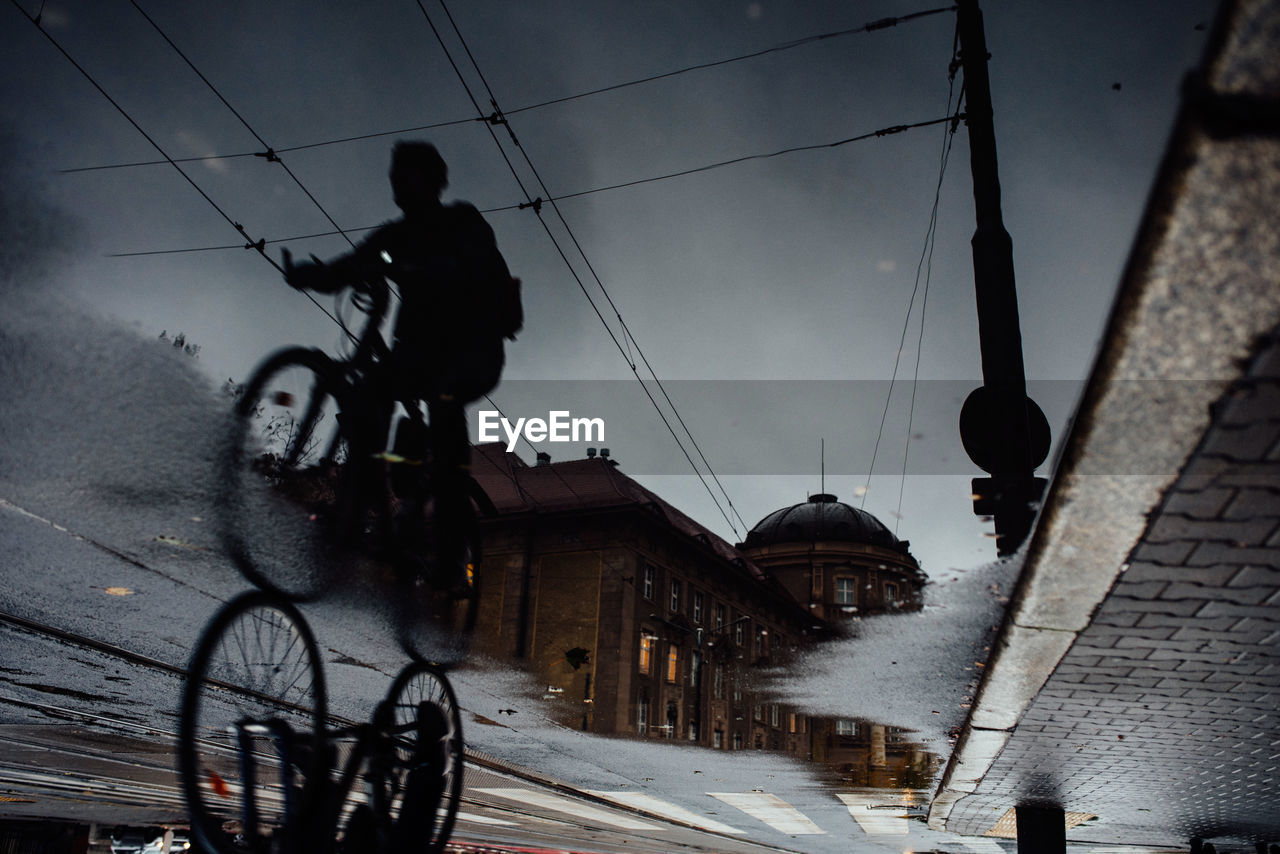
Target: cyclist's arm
[{"x": 358, "y": 265}]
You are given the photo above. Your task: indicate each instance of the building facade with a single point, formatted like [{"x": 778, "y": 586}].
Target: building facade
[{"x": 642, "y": 622}]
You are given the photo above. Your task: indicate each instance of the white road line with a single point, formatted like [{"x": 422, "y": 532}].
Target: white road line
[
  {"x": 484, "y": 819},
  {"x": 569, "y": 806},
  {"x": 648, "y": 803},
  {"x": 876, "y": 814},
  {"x": 772, "y": 810}
]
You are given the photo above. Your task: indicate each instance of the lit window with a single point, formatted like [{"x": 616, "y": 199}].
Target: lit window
[
  {"x": 697, "y": 606},
  {"x": 846, "y": 591},
  {"x": 673, "y": 664},
  {"x": 648, "y": 581},
  {"x": 646, "y": 653}
]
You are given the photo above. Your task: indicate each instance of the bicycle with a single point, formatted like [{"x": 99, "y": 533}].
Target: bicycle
[
  {"x": 255, "y": 755},
  {"x": 288, "y": 461},
  {"x": 258, "y": 763}
]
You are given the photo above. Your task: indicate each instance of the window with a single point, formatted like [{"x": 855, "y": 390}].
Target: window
[
  {"x": 737, "y": 632},
  {"x": 890, "y": 593},
  {"x": 762, "y": 641},
  {"x": 697, "y": 607},
  {"x": 847, "y": 728},
  {"x": 846, "y": 591},
  {"x": 642, "y": 715},
  {"x": 815, "y": 586},
  {"x": 648, "y": 581},
  {"x": 717, "y": 739},
  {"x": 757, "y": 712},
  {"x": 737, "y": 741},
  {"x": 675, "y": 596},
  {"x": 717, "y": 616},
  {"x": 646, "y": 653},
  {"x": 717, "y": 683},
  {"x": 673, "y": 664},
  {"x": 773, "y": 714}
]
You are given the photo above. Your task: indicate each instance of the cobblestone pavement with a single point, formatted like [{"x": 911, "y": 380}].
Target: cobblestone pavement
[{"x": 1163, "y": 718}]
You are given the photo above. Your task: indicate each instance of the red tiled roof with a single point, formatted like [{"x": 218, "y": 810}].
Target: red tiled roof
[{"x": 514, "y": 487}]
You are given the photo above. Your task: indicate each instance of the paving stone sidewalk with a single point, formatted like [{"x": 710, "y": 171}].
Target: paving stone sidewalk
[{"x": 1163, "y": 718}]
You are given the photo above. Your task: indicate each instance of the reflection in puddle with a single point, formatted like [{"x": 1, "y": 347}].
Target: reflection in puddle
[{"x": 640, "y": 622}]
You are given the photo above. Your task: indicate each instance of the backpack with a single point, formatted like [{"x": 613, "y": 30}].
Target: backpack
[{"x": 507, "y": 310}]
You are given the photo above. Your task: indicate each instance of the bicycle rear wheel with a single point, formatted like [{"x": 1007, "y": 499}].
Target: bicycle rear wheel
[
  {"x": 419, "y": 792},
  {"x": 282, "y": 471},
  {"x": 251, "y": 725}
]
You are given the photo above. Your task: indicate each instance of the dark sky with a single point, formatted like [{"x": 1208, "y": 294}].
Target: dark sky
[{"x": 792, "y": 268}]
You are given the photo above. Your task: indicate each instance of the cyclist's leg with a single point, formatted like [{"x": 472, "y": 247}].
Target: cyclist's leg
[
  {"x": 450, "y": 468},
  {"x": 468, "y": 375},
  {"x": 366, "y": 421}
]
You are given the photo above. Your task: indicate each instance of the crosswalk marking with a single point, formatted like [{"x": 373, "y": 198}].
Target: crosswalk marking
[
  {"x": 648, "y": 803},
  {"x": 484, "y": 819},
  {"x": 569, "y": 806},
  {"x": 876, "y": 814},
  {"x": 772, "y": 810}
]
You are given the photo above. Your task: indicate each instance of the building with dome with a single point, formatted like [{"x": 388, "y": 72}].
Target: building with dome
[
  {"x": 640, "y": 621},
  {"x": 836, "y": 560}
]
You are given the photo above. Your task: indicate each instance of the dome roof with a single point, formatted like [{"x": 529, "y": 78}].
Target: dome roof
[{"x": 822, "y": 518}]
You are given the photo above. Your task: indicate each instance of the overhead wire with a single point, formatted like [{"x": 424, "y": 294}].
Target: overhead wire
[
  {"x": 883, "y": 23},
  {"x": 930, "y": 233},
  {"x": 887, "y": 131},
  {"x": 536, "y": 206},
  {"x": 270, "y": 155},
  {"x": 258, "y": 245},
  {"x": 627, "y": 334}
]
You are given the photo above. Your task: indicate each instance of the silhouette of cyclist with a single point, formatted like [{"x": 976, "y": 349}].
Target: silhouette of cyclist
[{"x": 447, "y": 343}]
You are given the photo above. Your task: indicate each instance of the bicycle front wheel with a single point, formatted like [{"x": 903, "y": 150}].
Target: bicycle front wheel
[
  {"x": 420, "y": 791},
  {"x": 251, "y": 725},
  {"x": 282, "y": 466}
]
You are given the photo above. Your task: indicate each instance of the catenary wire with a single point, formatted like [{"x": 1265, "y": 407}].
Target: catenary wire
[
  {"x": 876, "y": 134},
  {"x": 251, "y": 244},
  {"x": 271, "y": 154},
  {"x": 924, "y": 305},
  {"x": 929, "y": 234},
  {"x": 625, "y": 331},
  {"x": 883, "y": 23}
]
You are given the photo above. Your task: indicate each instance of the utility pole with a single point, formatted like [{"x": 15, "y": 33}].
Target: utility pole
[{"x": 1002, "y": 429}]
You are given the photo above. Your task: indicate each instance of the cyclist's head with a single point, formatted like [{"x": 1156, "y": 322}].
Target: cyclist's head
[{"x": 418, "y": 174}]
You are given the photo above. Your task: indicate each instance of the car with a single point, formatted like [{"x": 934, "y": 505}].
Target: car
[{"x": 147, "y": 841}]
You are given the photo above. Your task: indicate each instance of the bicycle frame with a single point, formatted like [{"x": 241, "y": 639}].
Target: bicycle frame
[{"x": 312, "y": 813}]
